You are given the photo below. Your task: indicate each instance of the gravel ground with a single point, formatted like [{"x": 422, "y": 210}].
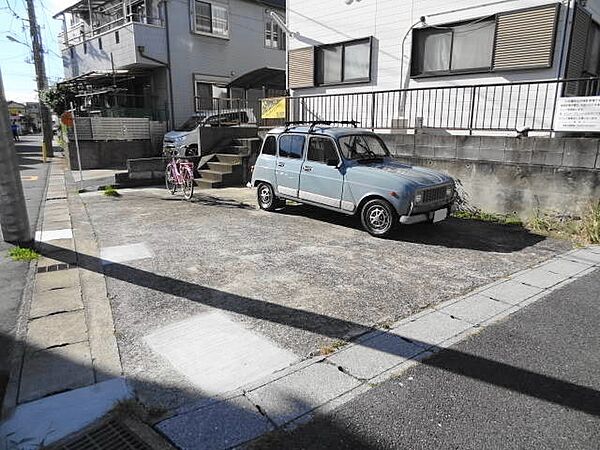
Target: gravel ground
[{"x": 304, "y": 277}]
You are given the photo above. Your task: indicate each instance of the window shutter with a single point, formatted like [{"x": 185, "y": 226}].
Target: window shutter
[
  {"x": 301, "y": 67},
  {"x": 577, "y": 49},
  {"x": 525, "y": 38}
]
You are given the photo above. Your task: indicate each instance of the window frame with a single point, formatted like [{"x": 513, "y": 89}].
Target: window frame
[
  {"x": 317, "y": 60},
  {"x": 212, "y": 3},
  {"x": 450, "y": 71},
  {"x": 281, "y": 35},
  {"x": 334, "y": 143},
  {"x": 303, "y": 136}
]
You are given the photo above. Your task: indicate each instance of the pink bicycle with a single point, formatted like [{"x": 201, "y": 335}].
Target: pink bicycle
[{"x": 180, "y": 173}]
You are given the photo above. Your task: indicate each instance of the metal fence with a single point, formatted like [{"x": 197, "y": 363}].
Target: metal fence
[
  {"x": 117, "y": 129},
  {"x": 489, "y": 107}
]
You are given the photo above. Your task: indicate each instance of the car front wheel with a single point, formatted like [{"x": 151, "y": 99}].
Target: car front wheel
[
  {"x": 266, "y": 197},
  {"x": 378, "y": 218}
]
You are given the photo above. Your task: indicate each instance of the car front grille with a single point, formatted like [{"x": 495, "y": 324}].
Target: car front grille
[{"x": 434, "y": 195}]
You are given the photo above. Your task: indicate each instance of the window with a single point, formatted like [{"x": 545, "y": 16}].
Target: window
[
  {"x": 269, "y": 147},
  {"x": 274, "y": 35},
  {"x": 211, "y": 18},
  {"x": 344, "y": 63},
  {"x": 592, "y": 58},
  {"x": 363, "y": 147},
  {"x": 100, "y": 43},
  {"x": 117, "y": 39},
  {"x": 291, "y": 146},
  {"x": 322, "y": 150},
  {"x": 454, "y": 48}
]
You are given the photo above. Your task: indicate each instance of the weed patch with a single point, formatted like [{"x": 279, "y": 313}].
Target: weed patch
[
  {"x": 110, "y": 191},
  {"x": 329, "y": 349},
  {"x": 23, "y": 254}
]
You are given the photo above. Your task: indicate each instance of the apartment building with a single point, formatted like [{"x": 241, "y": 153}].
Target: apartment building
[
  {"x": 165, "y": 59},
  {"x": 459, "y": 66}
]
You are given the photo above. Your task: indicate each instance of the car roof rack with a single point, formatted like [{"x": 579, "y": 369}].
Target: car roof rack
[{"x": 313, "y": 123}]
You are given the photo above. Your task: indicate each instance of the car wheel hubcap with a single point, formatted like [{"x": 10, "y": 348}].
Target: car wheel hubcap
[
  {"x": 378, "y": 217},
  {"x": 265, "y": 196}
]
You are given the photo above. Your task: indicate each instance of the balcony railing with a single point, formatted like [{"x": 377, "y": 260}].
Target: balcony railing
[
  {"x": 488, "y": 107},
  {"x": 82, "y": 32}
]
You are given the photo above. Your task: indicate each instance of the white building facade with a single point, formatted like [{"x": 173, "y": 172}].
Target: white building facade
[{"x": 439, "y": 64}]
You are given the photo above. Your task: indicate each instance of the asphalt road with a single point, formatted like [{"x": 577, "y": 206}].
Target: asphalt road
[
  {"x": 302, "y": 277},
  {"x": 535, "y": 384},
  {"x": 13, "y": 274}
]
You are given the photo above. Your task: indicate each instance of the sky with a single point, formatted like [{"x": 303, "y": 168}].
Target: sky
[{"x": 18, "y": 75}]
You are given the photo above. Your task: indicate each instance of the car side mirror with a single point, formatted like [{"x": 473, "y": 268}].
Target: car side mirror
[{"x": 333, "y": 162}]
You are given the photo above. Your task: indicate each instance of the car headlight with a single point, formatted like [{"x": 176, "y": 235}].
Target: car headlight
[
  {"x": 449, "y": 191},
  {"x": 418, "y": 197}
]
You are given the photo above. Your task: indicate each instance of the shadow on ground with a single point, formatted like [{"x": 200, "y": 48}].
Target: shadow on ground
[{"x": 496, "y": 373}]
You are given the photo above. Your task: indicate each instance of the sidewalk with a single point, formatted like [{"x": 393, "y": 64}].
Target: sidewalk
[
  {"x": 531, "y": 381},
  {"x": 67, "y": 339}
]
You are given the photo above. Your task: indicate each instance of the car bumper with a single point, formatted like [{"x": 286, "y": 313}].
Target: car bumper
[
  {"x": 178, "y": 150},
  {"x": 436, "y": 215}
]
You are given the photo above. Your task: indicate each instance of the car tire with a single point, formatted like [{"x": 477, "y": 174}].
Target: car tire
[
  {"x": 266, "y": 198},
  {"x": 378, "y": 218}
]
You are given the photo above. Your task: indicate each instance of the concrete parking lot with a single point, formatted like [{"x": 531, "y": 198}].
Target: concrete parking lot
[{"x": 302, "y": 277}]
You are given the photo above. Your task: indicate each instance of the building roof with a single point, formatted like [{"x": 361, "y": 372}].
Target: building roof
[{"x": 265, "y": 76}]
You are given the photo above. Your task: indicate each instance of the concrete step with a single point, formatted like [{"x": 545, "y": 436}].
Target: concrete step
[
  {"x": 229, "y": 159},
  {"x": 212, "y": 175},
  {"x": 202, "y": 183},
  {"x": 221, "y": 167}
]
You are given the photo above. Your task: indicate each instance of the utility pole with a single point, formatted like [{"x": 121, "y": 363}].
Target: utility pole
[
  {"x": 42, "y": 81},
  {"x": 14, "y": 221}
]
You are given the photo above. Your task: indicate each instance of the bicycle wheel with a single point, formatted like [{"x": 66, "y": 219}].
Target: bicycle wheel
[
  {"x": 188, "y": 184},
  {"x": 170, "y": 181}
]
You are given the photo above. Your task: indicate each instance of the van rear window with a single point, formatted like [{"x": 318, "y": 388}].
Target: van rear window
[{"x": 269, "y": 147}]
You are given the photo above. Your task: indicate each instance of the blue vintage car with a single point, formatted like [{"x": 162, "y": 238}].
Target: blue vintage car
[{"x": 349, "y": 170}]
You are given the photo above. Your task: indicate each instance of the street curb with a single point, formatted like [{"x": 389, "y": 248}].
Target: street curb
[{"x": 106, "y": 359}]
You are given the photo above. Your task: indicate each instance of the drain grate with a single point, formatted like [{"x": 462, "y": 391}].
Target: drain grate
[
  {"x": 111, "y": 435},
  {"x": 55, "y": 267}
]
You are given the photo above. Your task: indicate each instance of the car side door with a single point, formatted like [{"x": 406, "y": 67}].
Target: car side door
[
  {"x": 266, "y": 162},
  {"x": 321, "y": 180},
  {"x": 290, "y": 152}
]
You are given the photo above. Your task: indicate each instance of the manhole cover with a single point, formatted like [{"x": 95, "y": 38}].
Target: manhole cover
[{"x": 111, "y": 435}]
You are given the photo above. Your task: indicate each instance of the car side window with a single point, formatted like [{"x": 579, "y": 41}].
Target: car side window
[
  {"x": 291, "y": 146},
  {"x": 322, "y": 150},
  {"x": 270, "y": 146}
]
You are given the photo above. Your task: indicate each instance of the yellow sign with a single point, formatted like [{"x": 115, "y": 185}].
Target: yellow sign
[
  {"x": 29, "y": 178},
  {"x": 273, "y": 108}
]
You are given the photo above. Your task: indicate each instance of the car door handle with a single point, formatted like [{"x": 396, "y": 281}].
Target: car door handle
[
  {"x": 307, "y": 168},
  {"x": 280, "y": 164}
]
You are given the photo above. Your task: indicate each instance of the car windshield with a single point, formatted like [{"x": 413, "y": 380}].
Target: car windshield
[
  {"x": 361, "y": 147},
  {"x": 190, "y": 124}
]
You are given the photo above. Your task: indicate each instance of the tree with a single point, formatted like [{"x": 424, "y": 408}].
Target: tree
[{"x": 58, "y": 98}]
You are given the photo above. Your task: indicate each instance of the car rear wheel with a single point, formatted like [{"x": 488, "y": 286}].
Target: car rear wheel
[
  {"x": 266, "y": 197},
  {"x": 378, "y": 218}
]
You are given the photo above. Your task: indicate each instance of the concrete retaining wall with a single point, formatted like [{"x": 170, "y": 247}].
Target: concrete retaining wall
[
  {"x": 108, "y": 154},
  {"x": 505, "y": 175}
]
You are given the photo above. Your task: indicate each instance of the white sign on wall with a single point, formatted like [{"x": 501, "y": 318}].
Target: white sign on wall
[{"x": 578, "y": 114}]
